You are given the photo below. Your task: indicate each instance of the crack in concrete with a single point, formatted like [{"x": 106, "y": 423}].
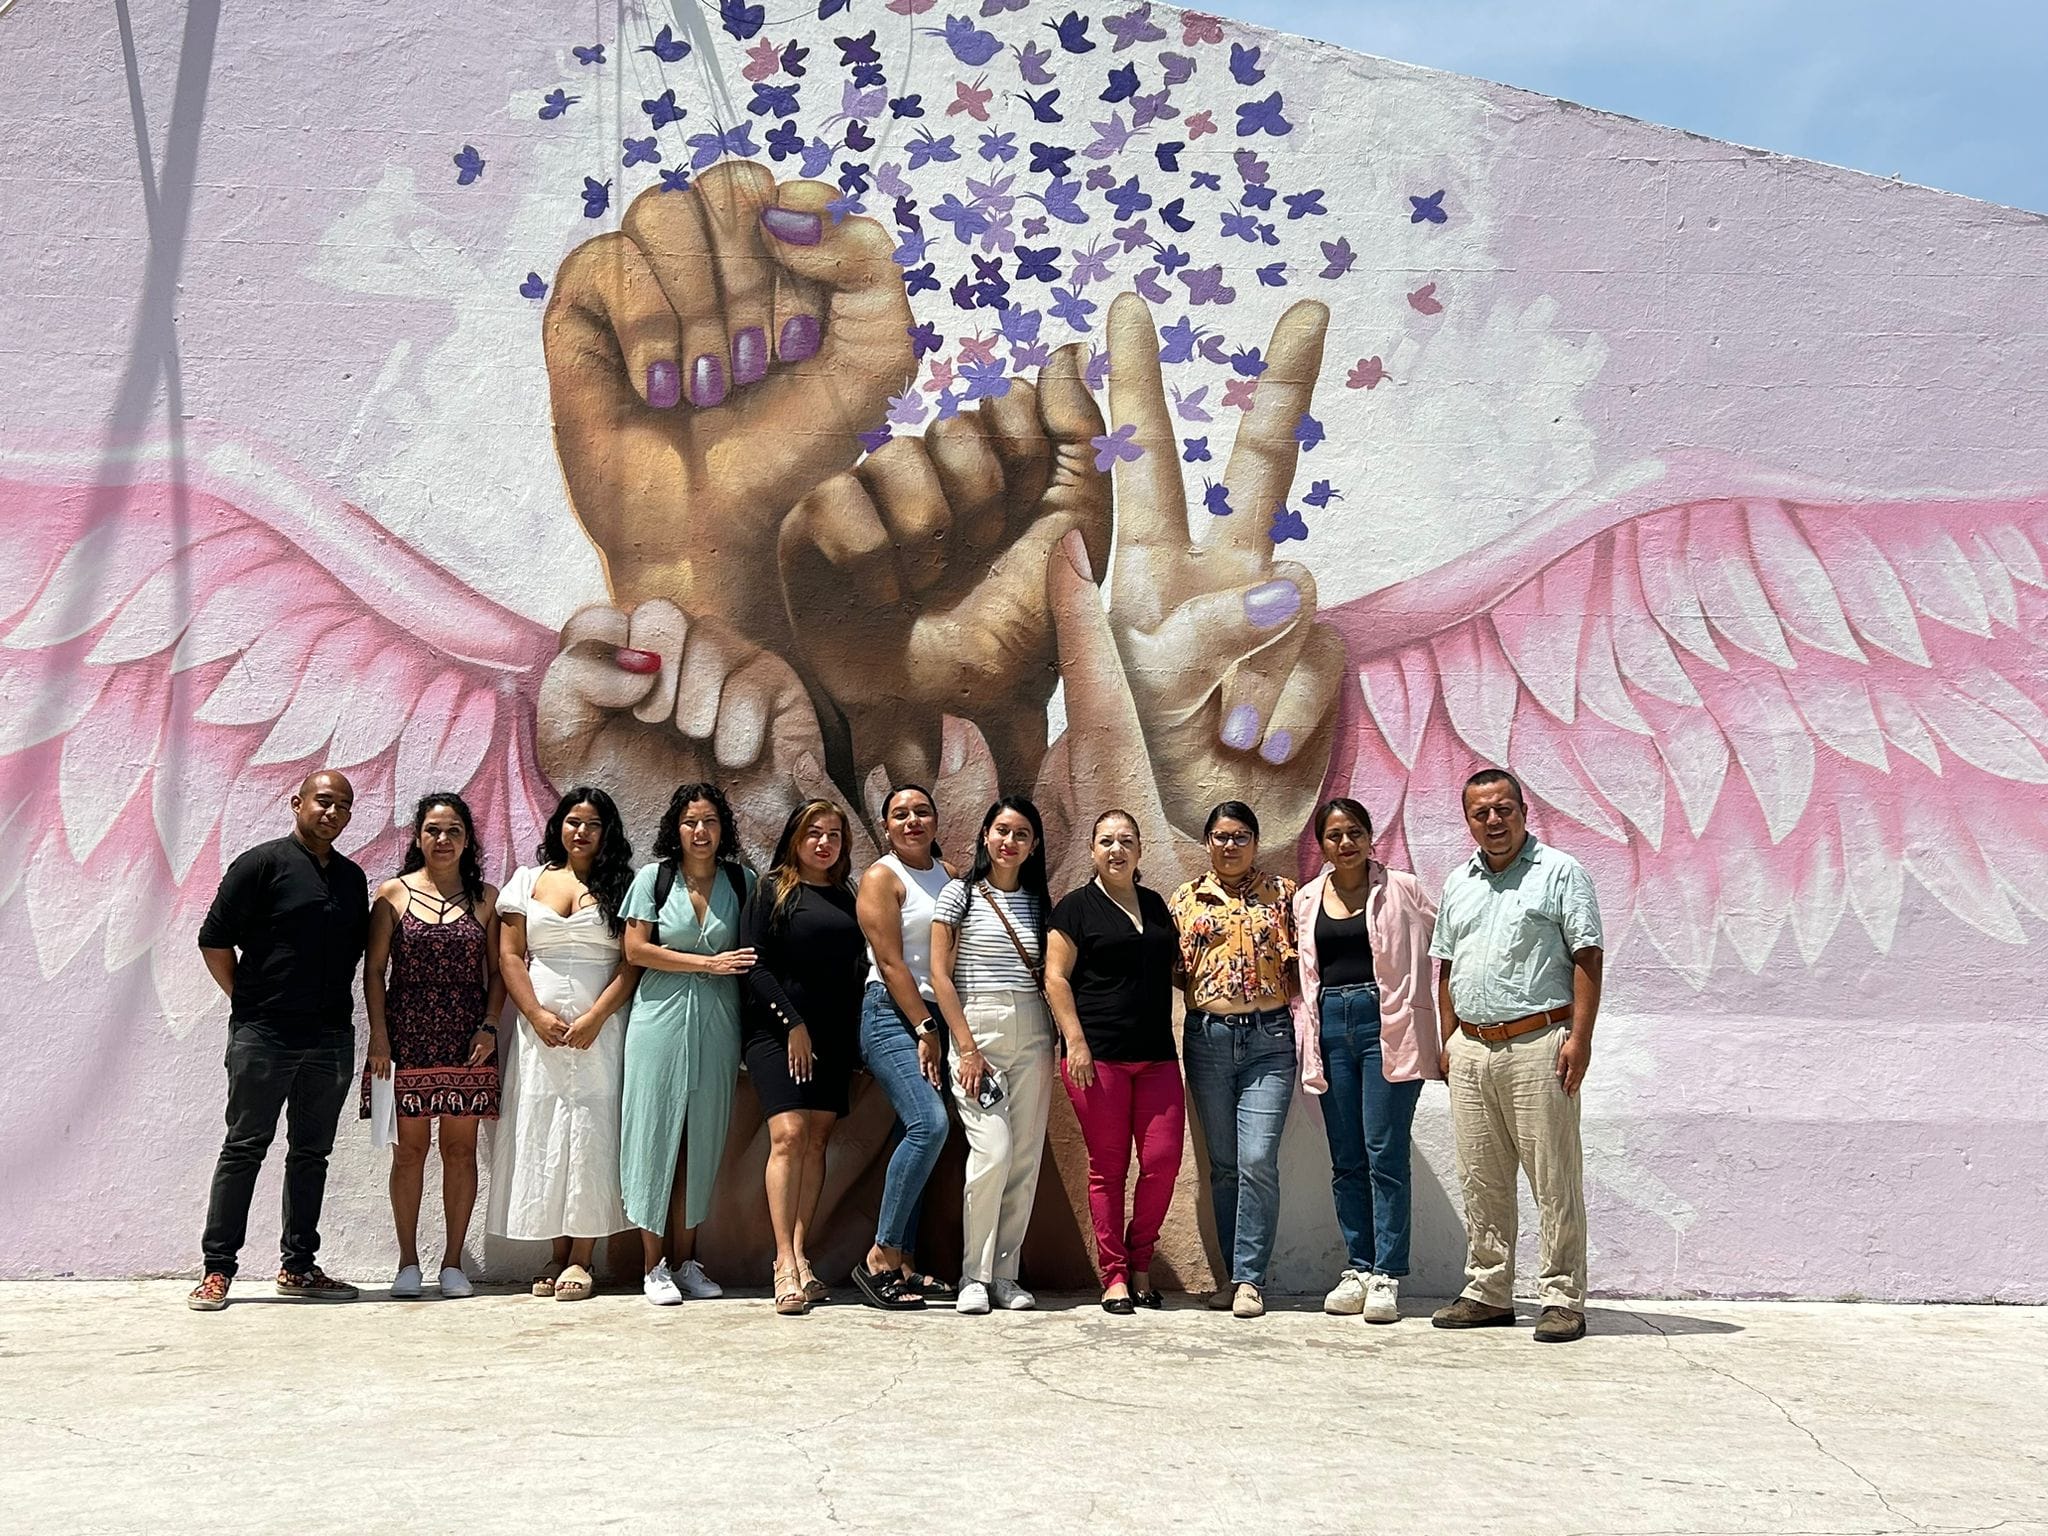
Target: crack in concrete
[{"x": 1788, "y": 1416}]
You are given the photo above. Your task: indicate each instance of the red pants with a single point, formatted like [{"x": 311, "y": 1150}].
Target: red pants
[{"x": 1132, "y": 1101}]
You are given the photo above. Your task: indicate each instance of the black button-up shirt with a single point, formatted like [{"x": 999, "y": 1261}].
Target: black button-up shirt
[{"x": 300, "y": 929}]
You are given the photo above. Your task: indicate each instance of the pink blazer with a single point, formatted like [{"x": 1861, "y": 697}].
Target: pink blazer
[{"x": 1401, "y": 918}]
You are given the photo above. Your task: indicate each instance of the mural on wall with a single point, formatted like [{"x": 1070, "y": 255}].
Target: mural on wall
[{"x": 919, "y": 373}]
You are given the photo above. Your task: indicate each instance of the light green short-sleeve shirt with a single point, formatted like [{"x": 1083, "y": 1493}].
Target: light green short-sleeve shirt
[{"x": 1510, "y": 934}]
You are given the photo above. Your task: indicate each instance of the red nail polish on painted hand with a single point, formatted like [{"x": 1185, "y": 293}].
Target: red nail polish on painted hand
[{"x": 630, "y": 660}]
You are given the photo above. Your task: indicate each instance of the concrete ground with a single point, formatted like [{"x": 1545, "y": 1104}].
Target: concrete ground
[{"x": 125, "y": 1412}]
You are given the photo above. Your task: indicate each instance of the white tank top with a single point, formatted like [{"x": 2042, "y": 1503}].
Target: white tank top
[{"x": 921, "y": 889}]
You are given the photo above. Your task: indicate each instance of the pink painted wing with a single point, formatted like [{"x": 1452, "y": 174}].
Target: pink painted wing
[
  {"x": 177, "y": 652},
  {"x": 1749, "y": 711}
]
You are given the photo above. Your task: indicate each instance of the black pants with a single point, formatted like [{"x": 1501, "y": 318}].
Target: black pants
[{"x": 309, "y": 1083}]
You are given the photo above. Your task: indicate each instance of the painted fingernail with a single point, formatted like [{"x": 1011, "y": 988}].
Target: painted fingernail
[
  {"x": 1271, "y": 603},
  {"x": 791, "y": 227},
  {"x": 664, "y": 384},
  {"x": 1279, "y": 747},
  {"x": 643, "y": 662},
  {"x": 799, "y": 338},
  {"x": 707, "y": 380},
  {"x": 750, "y": 356},
  {"x": 1241, "y": 728}
]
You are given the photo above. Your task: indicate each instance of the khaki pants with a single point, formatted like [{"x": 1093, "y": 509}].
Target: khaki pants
[
  {"x": 1507, "y": 1111},
  {"x": 1005, "y": 1144}
]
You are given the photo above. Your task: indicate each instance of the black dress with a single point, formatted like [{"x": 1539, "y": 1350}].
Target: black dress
[{"x": 810, "y": 969}]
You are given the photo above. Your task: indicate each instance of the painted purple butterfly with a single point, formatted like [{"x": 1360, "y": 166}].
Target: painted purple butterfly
[
  {"x": 555, "y": 103},
  {"x": 1308, "y": 432},
  {"x": 1168, "y": 155},
  {"x": 594, "y": 54},
  {"x": 1206, "y": 286},
  {"x": 667, "y": 47},
  {"x": 597, "y": 196},
  {"x": 970, "y": 45},
  {"x": 1263, "y": 116},
  {"x": 1134, "y": 27},
  {"x": 1031, "y": 61},
  {"x": 1179, "y": 68},
  {"x": 1072, "y": 31},
  {"x": 1288, "y": 524},
  {"x": 662, "y": 110},
  {"x": 1302, "y": 205},
  {"x": 1244, "y": 65},
  {"x": 1320, "y": 495},
  {"x": 773, "y": 100},
  {"x": 533, "y": 287},
  {"x": 640, "y": 152},
  {"x": 1147, "y": 283},
  {"x": 469, "y": 165},
  {"x": 1273, "y": 276},
  {"x": 1045, "y": 108},
  {"x": 1338, "y": 257},
  {"x": 709, "y": 147},
  {"x": 1428, "y": 209},
  {"x": 1123, "y": 84},
  {"x": 740, "y": 19}
]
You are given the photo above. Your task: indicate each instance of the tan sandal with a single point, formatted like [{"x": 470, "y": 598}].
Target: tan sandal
[
  {"x": 544, "y": 1282},
  {"x": 816, "y": 1291},
  {"x": 574, "y": 1284},
  {"x": 790, "y": 1300}
]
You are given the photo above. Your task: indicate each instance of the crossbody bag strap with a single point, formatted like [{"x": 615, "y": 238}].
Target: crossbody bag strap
[{"x": 1037, "y": 971}]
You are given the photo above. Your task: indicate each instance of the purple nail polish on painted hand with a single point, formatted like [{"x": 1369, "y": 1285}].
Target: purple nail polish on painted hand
[
  {"x": 707, "y": 380},
  {"x": 1278, "y": 746},
  {"x": 799, "y": 338},
  {"x": 750, "y": 356},
  {"x": 791, "y": 227},
  {"x": 1241, "y": 728},
  {"x": 1271, "y": 603},
  {"x": 664, "y": 384}
]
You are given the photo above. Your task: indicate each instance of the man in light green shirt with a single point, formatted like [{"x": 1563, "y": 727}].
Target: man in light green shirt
[{"x": 1519, "y": 933}]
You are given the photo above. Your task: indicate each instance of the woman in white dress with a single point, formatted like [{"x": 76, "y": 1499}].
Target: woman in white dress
[{"x": 555, "y": 1168}]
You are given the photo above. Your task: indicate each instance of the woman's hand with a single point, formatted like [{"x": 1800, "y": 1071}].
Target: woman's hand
[
  {"x": 800, "y": 1054},
  {"x": 380, "y": 1054},
  {"x": 582, "y": 1030},
  {"x": 928, "y": 1060},
  {"x": 971, "y": 1068},
  {"x": 483, "y": 1045},
  {"x": 550, "y": 1026},
  {"x": 1080, "y": 1066},
  {"x": 732, "y": 962}
]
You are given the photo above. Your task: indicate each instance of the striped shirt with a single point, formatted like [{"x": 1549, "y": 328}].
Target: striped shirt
[{"x": 984, "y": 959}]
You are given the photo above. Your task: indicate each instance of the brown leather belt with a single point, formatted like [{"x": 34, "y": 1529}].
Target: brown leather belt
[{"x": 1500, "y": 1034}]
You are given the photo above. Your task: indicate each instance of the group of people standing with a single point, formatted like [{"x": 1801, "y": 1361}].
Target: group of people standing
[{"x": 965, "y": 989}]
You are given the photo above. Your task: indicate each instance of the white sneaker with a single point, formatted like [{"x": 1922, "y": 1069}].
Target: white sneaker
[
  {"x": 408, "y": 1285},
  {"x": 455, "y": 1284},
  {"x": 1382, "y": 1299},
  {"x": 1012, "y": 1297},
  {"x": 659, "y": 1287},
  {"x": 1347, "y": 1297},
  {"x": 973, "y": 1299},
  {"x": 695, "y": 1284}
]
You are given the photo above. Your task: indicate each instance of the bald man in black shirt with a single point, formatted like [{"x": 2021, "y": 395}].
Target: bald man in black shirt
[{"x": 283, "y": 939}]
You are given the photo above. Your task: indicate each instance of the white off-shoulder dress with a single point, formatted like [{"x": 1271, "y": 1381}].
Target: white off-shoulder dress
[{"x": 555, "y": 1161}]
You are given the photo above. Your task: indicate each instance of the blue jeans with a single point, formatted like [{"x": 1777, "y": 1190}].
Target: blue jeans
[
  {"x": 1240, "y": 1069},
  {"x": 1368, "y": 1119},
  {"x": 891, "y": 1054}
]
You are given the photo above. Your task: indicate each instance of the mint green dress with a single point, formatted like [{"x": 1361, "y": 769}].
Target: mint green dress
[{"x": 682, "y": 1057}]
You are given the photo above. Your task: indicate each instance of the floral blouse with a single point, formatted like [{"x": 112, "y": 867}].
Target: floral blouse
[{"x": 1236, "y": 938}]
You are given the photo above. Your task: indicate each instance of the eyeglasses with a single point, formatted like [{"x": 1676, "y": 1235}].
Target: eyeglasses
[
  {"x": 1232, "y": 839},
  {"x": 1495, "y": 812}
]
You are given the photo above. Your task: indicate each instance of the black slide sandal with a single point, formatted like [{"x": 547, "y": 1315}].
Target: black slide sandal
[{"x": 888, "y": 1290}]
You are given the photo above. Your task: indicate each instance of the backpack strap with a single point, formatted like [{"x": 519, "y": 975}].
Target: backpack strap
[{"x": 664, "y": 887}]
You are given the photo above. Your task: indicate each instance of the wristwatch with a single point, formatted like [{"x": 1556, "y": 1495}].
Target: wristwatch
[{"x": 924, "y": 1026}]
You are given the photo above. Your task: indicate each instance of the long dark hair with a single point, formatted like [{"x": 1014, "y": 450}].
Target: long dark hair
[
  {"x": 1031, "y": 877},
  {"x": 668, "y": 842},
  {"x": 612, "y": 870},
  {"x": 784, "y": 877},
  {"x": 472, "y": 866}
]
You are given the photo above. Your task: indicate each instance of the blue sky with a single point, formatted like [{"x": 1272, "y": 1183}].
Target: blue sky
[{"x": 1943, "y": 92}]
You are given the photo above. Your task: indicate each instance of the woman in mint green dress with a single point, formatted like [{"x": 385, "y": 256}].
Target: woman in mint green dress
[{"x": 683, "y": 1045}]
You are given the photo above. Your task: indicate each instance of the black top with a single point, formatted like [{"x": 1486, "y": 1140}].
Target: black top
[
  {"x": 809, "y": 970},
  {"x": 300, "y": 928},
  {"x": 1343, "y": 949},
  {"x": 1122, "y": 979}
]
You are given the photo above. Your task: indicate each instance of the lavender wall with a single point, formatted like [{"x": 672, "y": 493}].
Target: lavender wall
[{"x": 1706, "y": 488}]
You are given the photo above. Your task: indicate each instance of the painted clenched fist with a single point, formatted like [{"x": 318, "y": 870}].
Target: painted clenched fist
[
  {"x": 709, "y": 363},
  {"x": 642, "y": 701},
  {"x": 915, "y": 584}
]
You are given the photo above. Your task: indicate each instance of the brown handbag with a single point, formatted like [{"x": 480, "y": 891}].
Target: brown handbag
[{"x": 1038, "y": 970}]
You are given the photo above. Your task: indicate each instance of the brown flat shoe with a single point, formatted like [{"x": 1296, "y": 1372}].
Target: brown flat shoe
[
  {"x": 1467, "y": 1313},
  {"x": 1560, "y": 1325}
]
